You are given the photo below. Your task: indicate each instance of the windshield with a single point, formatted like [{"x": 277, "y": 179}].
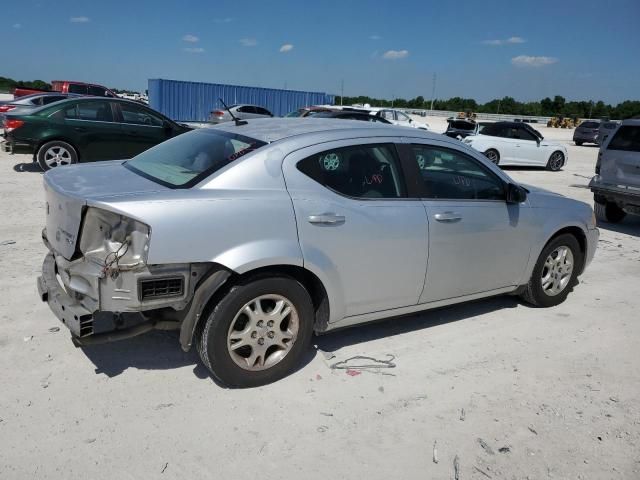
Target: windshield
[
  {"x": 462, "y": 125},
  {"x": 189, "y": 158}
]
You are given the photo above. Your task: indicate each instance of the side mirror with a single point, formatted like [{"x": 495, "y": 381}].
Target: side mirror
[{"x": 516, "y": 193}]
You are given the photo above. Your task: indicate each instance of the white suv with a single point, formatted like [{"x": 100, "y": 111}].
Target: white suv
[{"x": 616, "y": 185}]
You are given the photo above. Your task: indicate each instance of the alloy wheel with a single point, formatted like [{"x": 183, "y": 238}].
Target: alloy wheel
[
  {"x": 263, "y": 332},
  {"x": 557, "y": 271},
  {"x": 57, "y": 157},
  {"x": 556, "y": 161}
]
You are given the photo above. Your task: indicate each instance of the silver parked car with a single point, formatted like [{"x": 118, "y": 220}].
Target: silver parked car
[
  {"x": 250, "y": 238},
  {"x": 241, "y": 112},
  {"x": 616, "y": 185}
]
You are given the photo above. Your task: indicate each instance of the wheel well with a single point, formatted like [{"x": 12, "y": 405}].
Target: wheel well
[
  {"x": 580, "y": 236},
  {"x": 492, "y": 149},
  {"x": 310, "y": 281}
]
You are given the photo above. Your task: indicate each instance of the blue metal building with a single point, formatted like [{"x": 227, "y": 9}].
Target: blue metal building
[{"x": 194, "y": 101}]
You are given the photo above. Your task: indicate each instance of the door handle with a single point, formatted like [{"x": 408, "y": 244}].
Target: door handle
[
  {"x": 326, "y": 219},
  {"x": 448, "y": 217}
]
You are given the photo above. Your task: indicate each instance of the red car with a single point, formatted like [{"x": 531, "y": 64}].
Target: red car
[{"x": 66, "y": 86}]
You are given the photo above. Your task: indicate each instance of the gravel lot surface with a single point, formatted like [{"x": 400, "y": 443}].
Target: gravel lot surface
[{"x": 510, "y": 391}]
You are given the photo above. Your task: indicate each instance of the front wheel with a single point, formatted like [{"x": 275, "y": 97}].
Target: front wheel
[
  {"x": 555, "y": 272},
  {"x": 56, "y": 154},
  {"x": 556, "y": 161},
  {"x": 258, "y": 332}
]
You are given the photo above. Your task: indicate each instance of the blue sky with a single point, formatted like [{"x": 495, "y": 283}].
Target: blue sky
[{"x": 526, "y": 49}]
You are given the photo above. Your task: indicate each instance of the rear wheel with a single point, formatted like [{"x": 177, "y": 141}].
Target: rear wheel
[
  {"x": 556, "y": 161},
  {"x": 56, "y": 154},
  {"x": 555, "y": 272},
  {"x": 493, "y": 156},
  {"x": 608, "y": 212},
  {"x": 258, "y": 333}
]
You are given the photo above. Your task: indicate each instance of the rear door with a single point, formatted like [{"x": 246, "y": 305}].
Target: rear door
[
  {"x": 94, "y": 130},
  {"x": 621, "y": 159},
  {"x": 263, "y": 112},
  {"x": 504, "y": 143},
  {"x": 356, "y": 224},
  {"x": 141, "y": 128}
]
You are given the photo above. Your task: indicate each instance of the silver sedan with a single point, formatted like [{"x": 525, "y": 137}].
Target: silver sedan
[{"x": 250, "y": 238}]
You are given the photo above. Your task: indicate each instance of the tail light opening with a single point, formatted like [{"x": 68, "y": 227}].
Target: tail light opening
[
  {"x": 218, "y": 113},
  {"x": 10, "y": 125},
  {"x": 6, "y": 108}
]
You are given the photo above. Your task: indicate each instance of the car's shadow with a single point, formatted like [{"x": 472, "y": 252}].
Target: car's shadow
[
  {"x": 31, "y": 167},
  {"x": 160, "y": 350},
  {"x": 629, "y": 226}
]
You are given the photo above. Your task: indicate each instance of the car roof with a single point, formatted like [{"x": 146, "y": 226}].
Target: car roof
[
  {"x": 273, "y": 129},
  {"x": 88, "y": 98},
  {"x": 634, "y": 122}
]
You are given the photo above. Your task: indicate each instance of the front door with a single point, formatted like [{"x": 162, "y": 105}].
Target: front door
[
  {"x": 477, "y": 241},
  {"x": 357, "y": 228},
  {"x": 141, "y": 128},
  {"x": 529, "y": 150}
]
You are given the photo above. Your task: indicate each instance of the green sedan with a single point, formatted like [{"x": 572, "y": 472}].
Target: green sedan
[{"x": 88, "y": 129}]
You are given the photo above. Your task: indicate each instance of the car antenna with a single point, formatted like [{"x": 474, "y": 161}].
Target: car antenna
[{"x": 235, "y": 119}]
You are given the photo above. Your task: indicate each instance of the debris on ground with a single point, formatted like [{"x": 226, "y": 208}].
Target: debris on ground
[
  {"x": 322, "y": 428},
  {"x": 165, "y": 467},
  {"x": 353, "y": 373},
  {"x": 456, "y": 468},
  {"x": 327, "y": 355},
  {"x": 45, "y": 381},
  {"x": 54, "y": 329},
  {"x": 160, "y": 406},
  {"x": 504, "y": 450},
  {"x": 435, "y": 452},
  {"x": 326, "y": 414},
  {"x": 485, "y": 446},
  {"x": 462, "y": 414},
  {"x": 28, "y": 339},
  {"x": 482, "y": 472},
  {"x": 318, "y": 376},
  {"x": 614, "y": 399},
  {"x": 532, "y": 430},
  {"x": 381, "y": 389},
  {"x": 90, "y": 440},
  {"x": 7, "y": 242},
  {"x": 367, "y": 364}
]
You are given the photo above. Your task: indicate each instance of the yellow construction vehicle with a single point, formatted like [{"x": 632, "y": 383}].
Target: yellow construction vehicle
[{"x": 563, "y": 122}]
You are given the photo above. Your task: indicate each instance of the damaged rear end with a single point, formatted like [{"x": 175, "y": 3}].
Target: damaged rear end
[{"x": 95, "y": 277}]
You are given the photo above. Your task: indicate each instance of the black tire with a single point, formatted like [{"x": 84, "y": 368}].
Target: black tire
[
  {"x": 43, "y": 155},
  {"x": 212, "y": 344},
  {"x": 556, "y": 161},
  {"x": 493, "y": 155},
  {"x": 608, "y": 212},
  {"x": 579, "y": 143},
  {"x": 534, "y": 293}
]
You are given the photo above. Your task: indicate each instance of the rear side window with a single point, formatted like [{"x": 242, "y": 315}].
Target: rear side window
[
  {"x": 247, "y": 109},
  {"x": 449, "y": 174},
  {"x": 75, "y": 88},
  {"x": 263, "y": 111},
  {"x": 187, "y": 159},
  {"x": 627, "y": 138},
  {"x": 495, "y": 130},
  {"x": 52, "y": 98},
  {"x": 362, "y": 171},
  {"x": 590, "y": 125}
]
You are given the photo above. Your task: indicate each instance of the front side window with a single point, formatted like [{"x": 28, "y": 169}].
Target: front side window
[
  {"x": 402, "y": 117},
  {"x": 51, "y": 98},
  {"x": 247, "y": 109},
  {"x": 495, "y": 130},
  {"x": 449, "y": 174},
  {"x": 362, "y": 171},
  {"x": 263, "y": 111},
  {"x": 627, "y": 138},
  {"x": 187, "y": 159},
  {"x": 139, "y": 116},
  {"x": 387, "y": 115},
  {"x": 523, "y": 134},
  {"x": 95, "y": 111}
]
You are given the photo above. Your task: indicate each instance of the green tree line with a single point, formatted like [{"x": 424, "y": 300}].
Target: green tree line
[
  {"x": 508, "y": 105},
  {"x": 8, "y": 84}
]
